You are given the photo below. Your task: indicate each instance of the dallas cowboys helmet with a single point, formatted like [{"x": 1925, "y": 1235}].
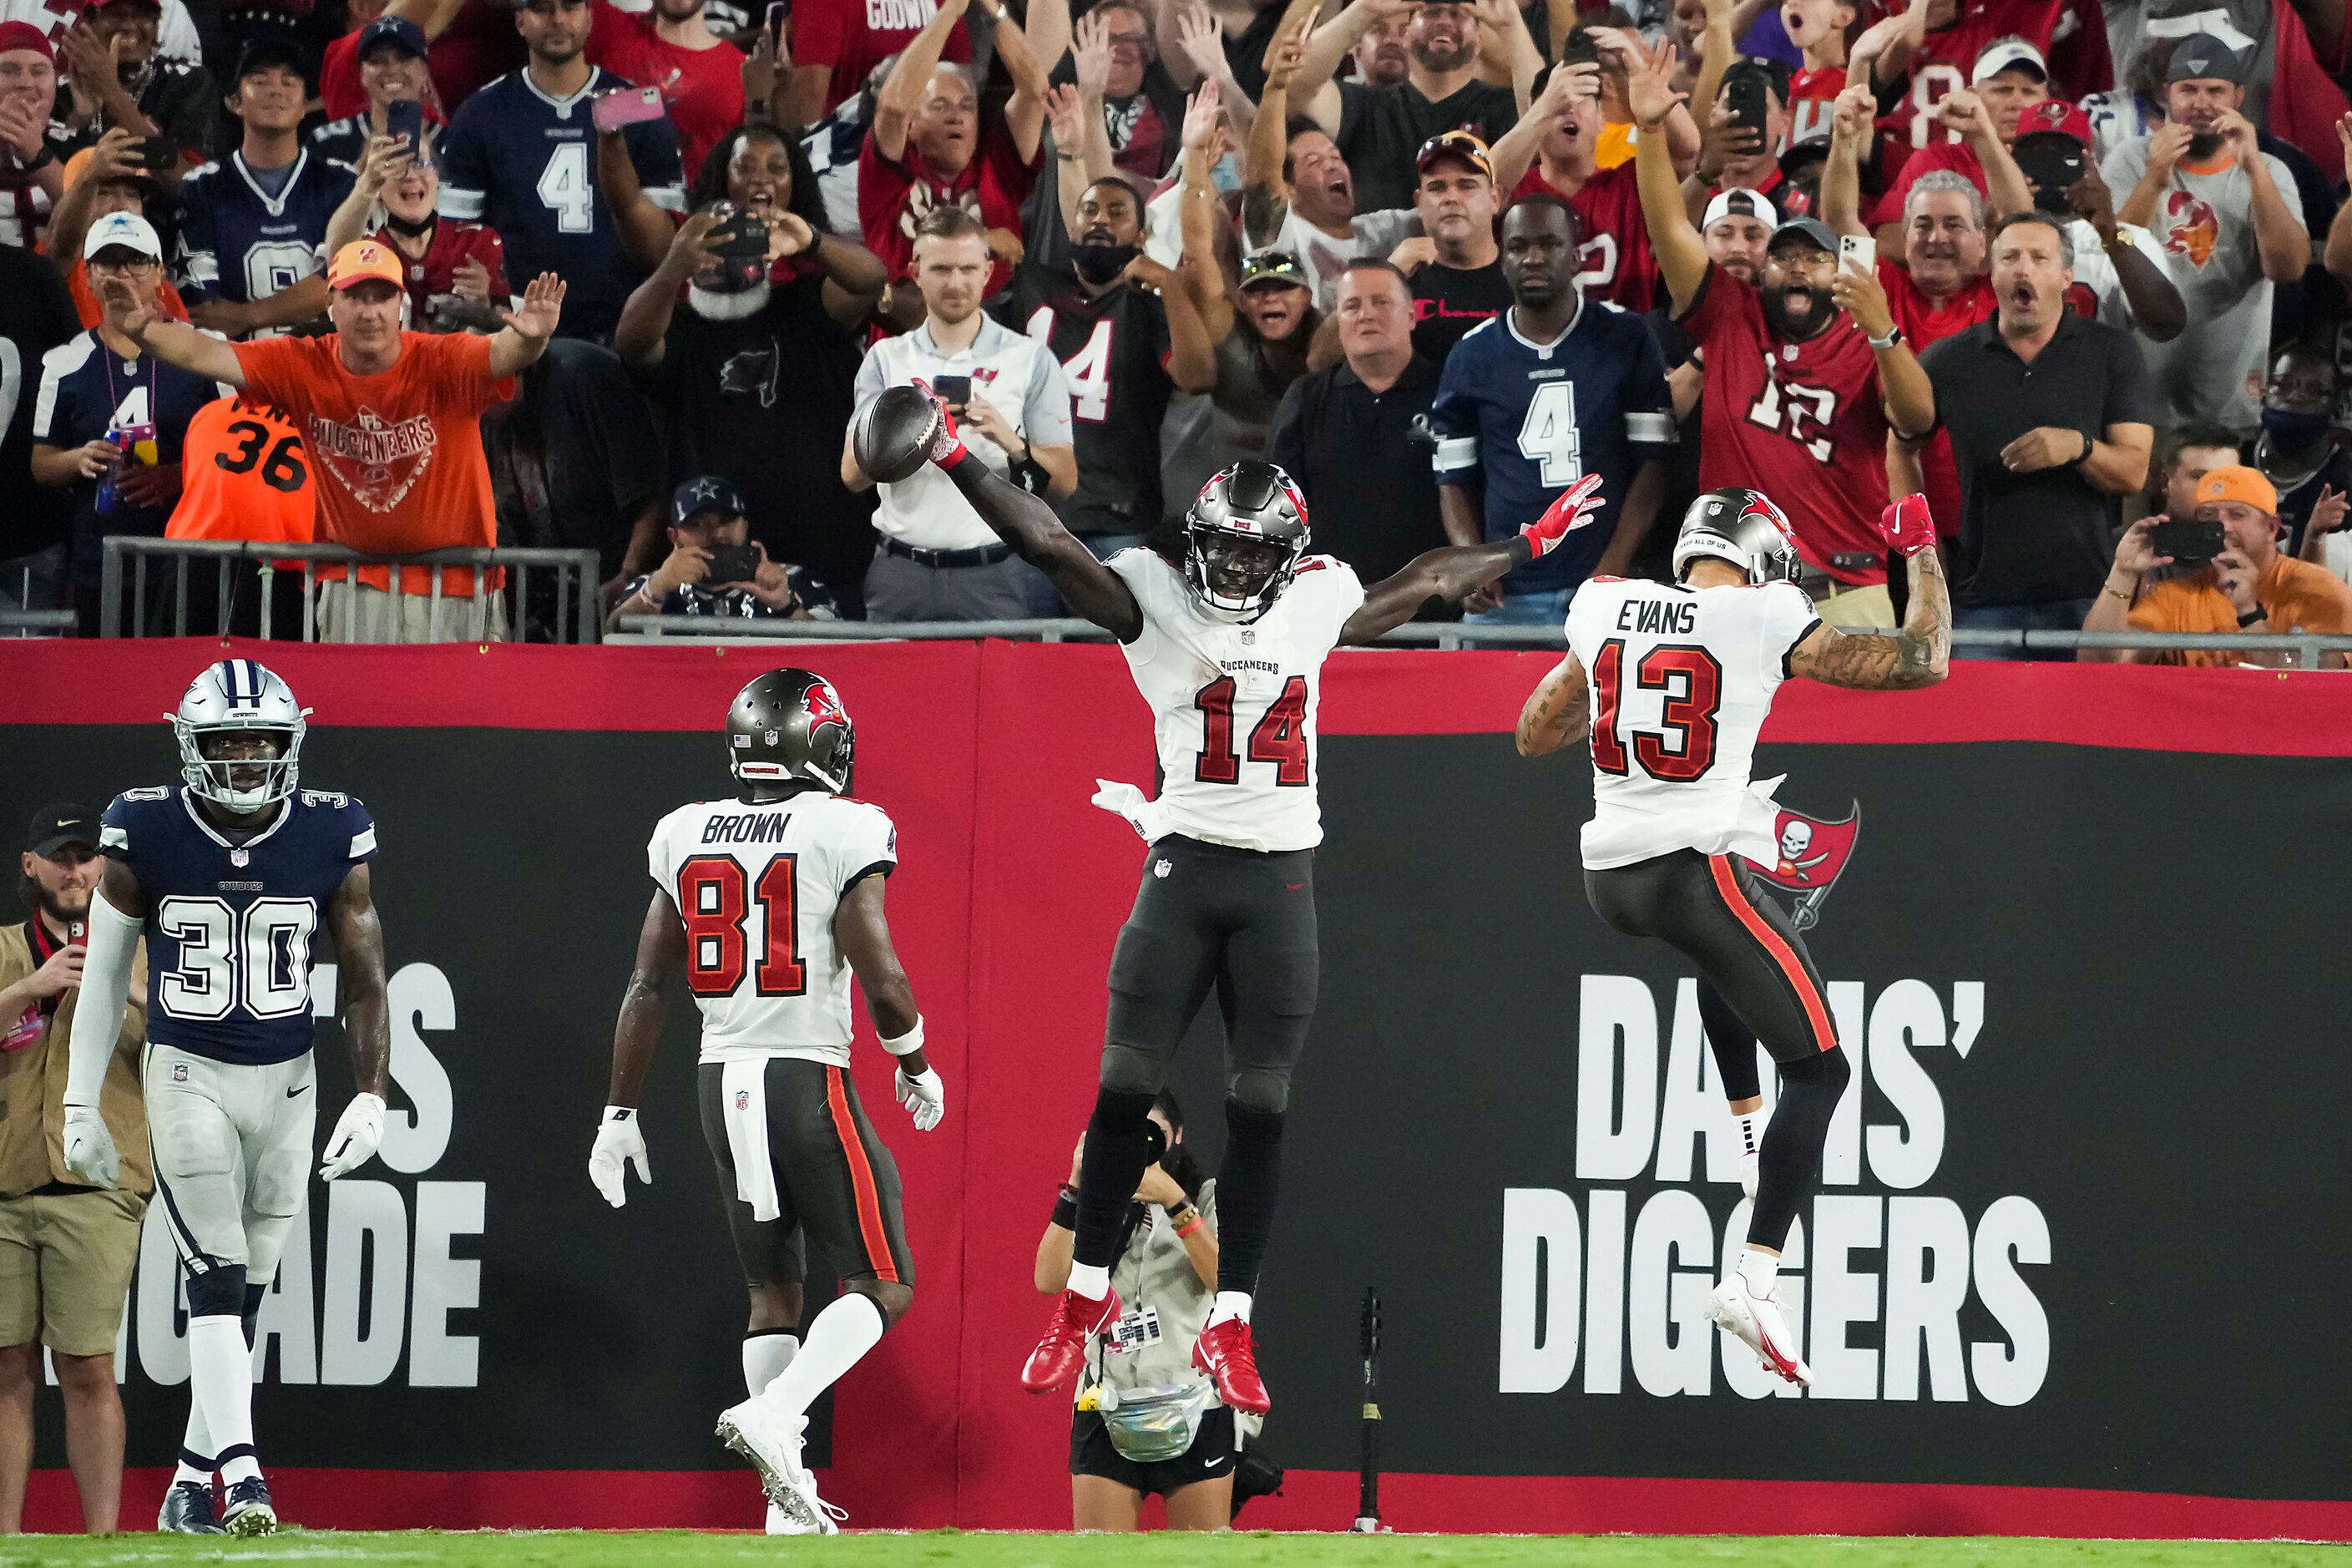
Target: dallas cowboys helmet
[
  {"x": 1243, "y": 538},
  {"x": 239, "y": 696},
  {"x": 790, "y": 724},
  {"x": 1742, "y": 527}
]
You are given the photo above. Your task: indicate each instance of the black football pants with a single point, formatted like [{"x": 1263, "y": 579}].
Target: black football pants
[
  {"x": 1708, "y": 908},
  {"x": 1206, "y": 917}
]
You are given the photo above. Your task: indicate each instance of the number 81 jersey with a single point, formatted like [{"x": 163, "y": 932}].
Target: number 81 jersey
[
  {"x": 230, "y": 924},
  {"x": 1681, "y": 679},
  {"x": 757, "y": 886},
  {"x": 1232, "y": 707}
]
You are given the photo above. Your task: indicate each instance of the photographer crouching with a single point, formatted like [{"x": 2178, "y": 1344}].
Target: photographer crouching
[
  {"x": 1147, "y": 1420},
  {"x": 716, "y": 568}
]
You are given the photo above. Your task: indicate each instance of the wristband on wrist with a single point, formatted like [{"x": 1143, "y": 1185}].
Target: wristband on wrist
[
  {"x": 1066, "y": 1208},
  {"x": 1188, "y": 1226},
  {"x": 2086, "y": 450},
  {"x": 1894, "y": 335},
  {"x": 2251, "y": 617},
  {"x": 908, "y": 1043}
]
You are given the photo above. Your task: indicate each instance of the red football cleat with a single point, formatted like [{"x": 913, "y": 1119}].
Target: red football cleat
[
  {"x": 1225, "y": 1352},
  {"x": 1063, "y": 1351}
]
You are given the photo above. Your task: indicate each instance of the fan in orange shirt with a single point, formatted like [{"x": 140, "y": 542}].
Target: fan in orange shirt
[
  {"x": 392, "y": 420},
  {"x": 2249, "y": 587},
  {"x": 245, "y": 475},
  {"x": 119, "y": 184}
]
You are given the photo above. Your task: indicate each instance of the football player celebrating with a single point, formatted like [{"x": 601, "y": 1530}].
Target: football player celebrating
[
  {"x": 227, "y": 875},
  {"x": 1672, "y": 680},
  {"x": 765, "y": 905},
  {"x": 1226, "y": 642}
]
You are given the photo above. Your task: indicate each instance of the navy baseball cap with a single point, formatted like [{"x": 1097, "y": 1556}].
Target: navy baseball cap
[
  {"x": 708, "y": 493},
  {"x": 264, "y": 52},
  {"x": 1813, "y": 230},
  {"x": 395, "y": 30},
  {"x": 2202, "y": 57},
  {"x": 55, "y": 827}
]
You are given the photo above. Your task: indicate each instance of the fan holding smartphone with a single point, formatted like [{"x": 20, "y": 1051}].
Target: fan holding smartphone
[{"x": 716, "y": 568}]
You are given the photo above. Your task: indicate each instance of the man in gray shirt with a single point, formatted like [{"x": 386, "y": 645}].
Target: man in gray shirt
[{"x": 2230, "y": 228}]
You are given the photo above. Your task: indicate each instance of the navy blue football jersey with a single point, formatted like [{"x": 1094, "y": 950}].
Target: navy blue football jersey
[
  {"x": 229, "y": 926},
  {"x": 1526, "y": 420},
  {"x": 525, "y": 163},
  {"x": 239, "y": 243},
  {"x": 341, "y": 141}
]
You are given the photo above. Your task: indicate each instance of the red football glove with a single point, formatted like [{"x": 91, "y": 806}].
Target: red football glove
[
  {"x": 947, "y": 447},
  {"x": 1907, "y": 526},
  {"x": 1574, "y": 508}
]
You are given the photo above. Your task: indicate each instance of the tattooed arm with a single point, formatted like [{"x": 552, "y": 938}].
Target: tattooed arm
[
  {"x": 1918, "y": 655},
  {"x": 1559, "y": 711}
]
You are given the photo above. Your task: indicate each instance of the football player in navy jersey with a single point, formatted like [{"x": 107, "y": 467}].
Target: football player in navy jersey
[{"x": 228, "y": 876}]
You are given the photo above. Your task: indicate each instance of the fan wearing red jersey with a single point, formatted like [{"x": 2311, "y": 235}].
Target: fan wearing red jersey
[
  {"x": 1806, "y": 373},
  {"x": 1672, "y": 682},
  {"x": 1226, "y": 641}
]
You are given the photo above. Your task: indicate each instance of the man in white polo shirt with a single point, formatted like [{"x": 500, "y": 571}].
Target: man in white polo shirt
[{"x": 936, "y": 560}]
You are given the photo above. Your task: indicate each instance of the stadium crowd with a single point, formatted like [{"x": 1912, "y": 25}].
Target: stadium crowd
[{"x": 2077, "y": 272}]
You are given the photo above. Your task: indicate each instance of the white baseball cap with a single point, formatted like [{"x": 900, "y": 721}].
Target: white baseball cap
[
  {"x": 1738, "y": 201},
  {"x": 2001, "y": 54},
  {"x": 127, "y": 229}
]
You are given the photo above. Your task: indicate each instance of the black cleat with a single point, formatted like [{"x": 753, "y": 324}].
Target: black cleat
[
  {"x": 188, "y": 1510},
  {"x": 249, "y": 1511}
]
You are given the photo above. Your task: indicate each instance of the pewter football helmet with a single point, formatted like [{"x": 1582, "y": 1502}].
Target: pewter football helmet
[
  {"x": 1742, "y": 527},
  {"x": 1243, "y": 538},
  {"x": 234, "y": 697},
  {"x": 790, "y": 723}
]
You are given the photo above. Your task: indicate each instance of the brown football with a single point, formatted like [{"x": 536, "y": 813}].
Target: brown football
[{"x": 893, "y": 434}]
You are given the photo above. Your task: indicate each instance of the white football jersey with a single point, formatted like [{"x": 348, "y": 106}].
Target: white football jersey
[
  {"x": 1232, "y": 707},
  {"x": 1682, "y": 678},
  {"x": 758, "y": 886}
]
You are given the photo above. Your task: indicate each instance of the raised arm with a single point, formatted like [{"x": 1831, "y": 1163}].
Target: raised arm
[
  {"x": 642, "y": 335},
  {"x": 1327, "y": 50},
  {"x": 1674, "y": 239},
  {"x": 174, "y": 342},
  {"x": 906, "y": 427},
  {"x": 517, "y": 346},
  {"x": 645, "y": 231},
  {"x": 1919, "y": 654},
  {"x": 1266, "y": 190},
  {"x": 1842, "y": 173},
  {"x": 1024, "y": 111},
  {"x": 1515, "y": 150},
  {"x": 1910, "y": 396},
  {"x": 902, "y": 90},
  {"x": 1559, "y": 711},
  {"x": 1199, "y": 214},
  {"x": 1454, "y": 572}
]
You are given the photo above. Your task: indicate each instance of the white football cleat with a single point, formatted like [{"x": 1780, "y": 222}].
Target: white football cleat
[
  {"x": 1754, "y": 1322},
  {"x": 1748, "y": 1166},
  {"x": 782, "y": 1523},
  {"x": 773, "y": 1447}
]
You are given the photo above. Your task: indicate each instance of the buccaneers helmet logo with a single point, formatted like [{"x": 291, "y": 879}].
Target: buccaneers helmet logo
[{"x": 823, "y": 707}]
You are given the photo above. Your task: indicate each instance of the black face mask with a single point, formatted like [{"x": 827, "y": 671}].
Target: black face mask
[
  {"x": 1101, "y": 264},
  {"x": 404, "y": 227},
  {"x": 2292, "y": 430}
]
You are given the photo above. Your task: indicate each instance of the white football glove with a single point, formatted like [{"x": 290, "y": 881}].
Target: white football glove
[
  {"x": 620, "y": 1142},
  {"x": 90, "y": 1147},
  {"x": 924, "y": 1096},
  {"x": 358, "y": 1134}
]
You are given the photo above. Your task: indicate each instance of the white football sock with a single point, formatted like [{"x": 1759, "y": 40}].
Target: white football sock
[
  {"x": 1751, "y": 1131},
  {"x": 842, "y": 1333},
  {"x": 1229, "y": 1304},
  {"x": 765, "y": 1356},
  {"x": 220, "y": 1372},
  {"x": 1759, "y": 1270},
  {"x": 199, "y": 1441},
  {"x": 1090, "y": 1279}
]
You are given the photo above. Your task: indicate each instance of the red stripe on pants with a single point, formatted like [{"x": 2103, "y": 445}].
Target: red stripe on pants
[
  {"x": 861, "y": 1177},
  {"x": 1817, "y": 1012}
]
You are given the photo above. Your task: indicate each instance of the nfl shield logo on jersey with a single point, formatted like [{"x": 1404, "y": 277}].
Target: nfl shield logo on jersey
[{"x": 1811, "y": 856}]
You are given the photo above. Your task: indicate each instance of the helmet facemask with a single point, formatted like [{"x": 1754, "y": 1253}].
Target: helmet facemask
[
  {"x": 1236, "y": 574},
  {"x": 236, "y": 782}
]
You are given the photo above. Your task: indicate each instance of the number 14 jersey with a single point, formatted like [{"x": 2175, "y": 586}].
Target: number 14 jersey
[
  {"x": 757, "y": 886},
  {"x": 1232, "y": 707},
  {"x": 1682, "y": 678}
]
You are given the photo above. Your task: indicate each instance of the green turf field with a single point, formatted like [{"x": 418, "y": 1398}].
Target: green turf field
[{"x": 951, "y": 1550}]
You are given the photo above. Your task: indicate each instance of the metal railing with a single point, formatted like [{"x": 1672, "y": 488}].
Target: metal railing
[
  {"x": 2306, "y": 646},
  {"x": 17, "y": 623},
  {"x": 576, "y": 616}
]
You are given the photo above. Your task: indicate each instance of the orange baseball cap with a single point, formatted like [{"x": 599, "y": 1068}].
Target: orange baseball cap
[
  {"x": 362, "y": 260},
  {"x": 2239, "y": 483}
]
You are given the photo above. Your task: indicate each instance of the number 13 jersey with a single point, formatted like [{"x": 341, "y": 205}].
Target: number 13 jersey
[
  {"x": 1232, "y": 707},
  {"x": 1681, "y": 679},
  {"x": 757, "y": 886}
]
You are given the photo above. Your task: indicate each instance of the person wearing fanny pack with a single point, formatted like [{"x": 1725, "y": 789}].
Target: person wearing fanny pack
[{"x": 1146, "y": 1421}]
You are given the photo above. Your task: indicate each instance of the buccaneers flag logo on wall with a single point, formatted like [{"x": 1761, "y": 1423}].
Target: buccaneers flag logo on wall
[{"x": 1811, "y": 855}]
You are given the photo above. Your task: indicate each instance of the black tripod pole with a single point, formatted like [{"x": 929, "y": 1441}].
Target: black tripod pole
[{"x": 1367, "y": 1485}]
